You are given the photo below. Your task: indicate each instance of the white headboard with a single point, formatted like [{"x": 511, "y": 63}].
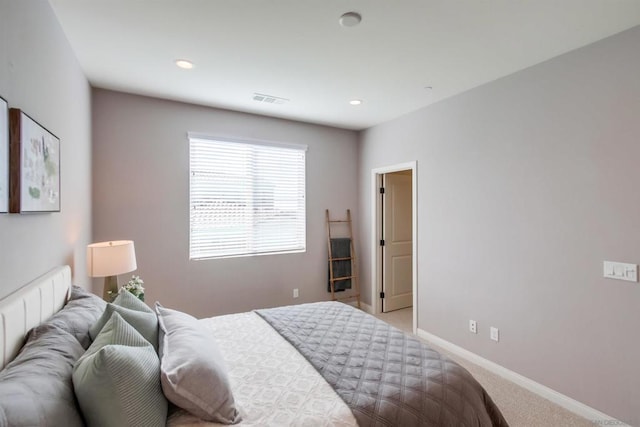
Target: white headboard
[{"x": 28, "y": 307}]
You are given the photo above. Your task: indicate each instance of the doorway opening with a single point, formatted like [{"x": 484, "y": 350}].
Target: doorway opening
[{"x": 394, "y": 240}]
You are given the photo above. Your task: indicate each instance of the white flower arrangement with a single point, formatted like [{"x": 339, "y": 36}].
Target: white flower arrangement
[{"x": 135, "y": 287}]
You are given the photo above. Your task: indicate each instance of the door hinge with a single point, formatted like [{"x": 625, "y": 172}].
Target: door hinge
[
  {"x": 381, "y": 190},
  {"x": 381, "y": 294},
  {"x": 382, "y": 242}
]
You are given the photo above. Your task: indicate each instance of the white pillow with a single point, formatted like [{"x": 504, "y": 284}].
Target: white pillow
[{"x": 192, "y": 370}]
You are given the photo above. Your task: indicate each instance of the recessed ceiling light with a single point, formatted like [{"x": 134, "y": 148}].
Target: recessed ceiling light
[
  {"x": 350, "y": 19},
  {"x": 355, "y": 102},
  {"x": 183, "y": 63}
]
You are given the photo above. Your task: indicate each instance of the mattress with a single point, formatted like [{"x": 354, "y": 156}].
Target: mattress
[{"x": 329, "y": 364}]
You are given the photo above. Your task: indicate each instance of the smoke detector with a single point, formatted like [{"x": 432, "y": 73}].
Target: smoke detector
[{"x": 350, "y": 19}]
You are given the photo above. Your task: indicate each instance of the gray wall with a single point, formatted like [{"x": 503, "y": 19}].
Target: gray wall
[
  {"x": 525, "y": 185},
  {"x": 39, "y": 74},
  {"x": 141, "y": 192}
]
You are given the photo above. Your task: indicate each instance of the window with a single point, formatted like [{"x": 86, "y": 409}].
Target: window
[{"x": 246, "y": 198}]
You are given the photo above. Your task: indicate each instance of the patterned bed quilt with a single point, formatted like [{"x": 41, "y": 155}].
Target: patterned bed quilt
[{"x": 386, "y": 377}]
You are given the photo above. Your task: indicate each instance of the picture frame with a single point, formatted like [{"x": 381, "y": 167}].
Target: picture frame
[
  {"x": 34, "y": 166},
  {"x": 4, "y": 156}
]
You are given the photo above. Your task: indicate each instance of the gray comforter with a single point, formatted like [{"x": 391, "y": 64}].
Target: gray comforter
[{"x": 385, "y": 376}]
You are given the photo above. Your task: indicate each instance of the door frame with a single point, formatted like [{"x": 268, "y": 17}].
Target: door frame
[{"x": 376, "y": 251}]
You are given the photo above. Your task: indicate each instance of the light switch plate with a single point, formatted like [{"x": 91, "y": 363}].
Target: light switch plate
[{"x": 620, "y": 271}]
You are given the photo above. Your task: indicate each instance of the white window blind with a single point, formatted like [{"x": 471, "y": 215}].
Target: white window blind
[{"x": 246, "y": 198}]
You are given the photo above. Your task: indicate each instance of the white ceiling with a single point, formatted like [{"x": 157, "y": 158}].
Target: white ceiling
[{"x": 296, "y": 49}]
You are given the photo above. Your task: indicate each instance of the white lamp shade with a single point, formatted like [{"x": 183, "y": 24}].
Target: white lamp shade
[{"x": 111, "y": 258}]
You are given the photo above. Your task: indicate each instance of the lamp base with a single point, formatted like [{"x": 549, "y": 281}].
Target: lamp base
[{"x": 110, "y": 288}]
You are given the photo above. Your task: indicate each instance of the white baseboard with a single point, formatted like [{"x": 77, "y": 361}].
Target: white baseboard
[
  {"x": 558, "y": 398},
  {"x": 364, "y": 307}
]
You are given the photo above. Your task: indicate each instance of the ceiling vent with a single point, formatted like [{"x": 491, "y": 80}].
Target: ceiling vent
[{"x": 269, "y": 99}]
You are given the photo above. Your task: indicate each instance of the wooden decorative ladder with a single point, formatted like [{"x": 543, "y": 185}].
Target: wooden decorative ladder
[{"x": 353, "y": 277}]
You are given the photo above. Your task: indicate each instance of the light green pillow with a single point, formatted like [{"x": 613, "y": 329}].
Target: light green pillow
[
  {"x": 135, "y": 312},
  {"x": 117, "y": 380}
]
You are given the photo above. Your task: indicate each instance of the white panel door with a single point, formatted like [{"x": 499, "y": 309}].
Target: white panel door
[{"x": 397, "y": 234}]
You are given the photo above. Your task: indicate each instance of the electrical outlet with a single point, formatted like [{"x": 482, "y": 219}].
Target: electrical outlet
[
  {"x": 495, "y": 334},
  {"x": 473, "y": 326},
  {"x": 295, "y": 293}
]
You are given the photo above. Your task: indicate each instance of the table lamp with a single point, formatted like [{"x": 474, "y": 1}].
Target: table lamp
[{"x": 108, "y": 259}]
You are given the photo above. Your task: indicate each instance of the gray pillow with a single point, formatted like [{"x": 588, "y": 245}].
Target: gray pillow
[
  {"x": 36, "y": 387},
  {"x": 117, "y": 381},
  {"x": 81, "y": 311},
  {"x": 193, "y": 374},
  {"x": 135, "y": 312}
]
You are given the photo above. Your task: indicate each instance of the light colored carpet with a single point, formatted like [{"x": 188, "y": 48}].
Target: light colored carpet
[{"x": 520, "y": 407}]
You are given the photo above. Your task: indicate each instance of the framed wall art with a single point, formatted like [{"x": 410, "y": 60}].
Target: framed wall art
[
  {"x": 34, "y": 166},
  {"x": 4, "y": 156}
]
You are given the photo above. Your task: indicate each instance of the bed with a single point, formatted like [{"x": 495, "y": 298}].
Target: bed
[{"x": 319, "y": 364}]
